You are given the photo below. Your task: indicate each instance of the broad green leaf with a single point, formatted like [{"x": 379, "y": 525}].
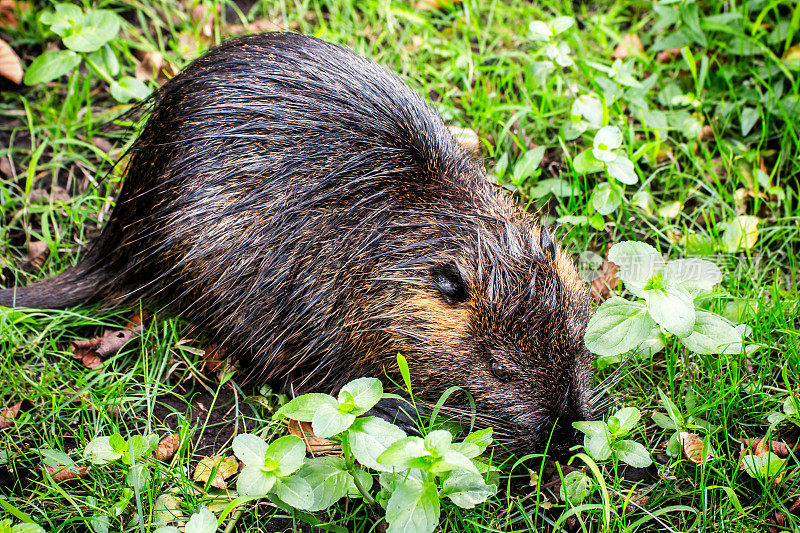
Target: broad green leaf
[
  {"x": 740, "y": 233},
  {"x": 368, "y": 437},
  {"x": 303, "y": 407},
  {"x": 692, "y": 273},
  {"x": 127, "y": 89},
  {"x": 672, "y": 308},
  {"x": 453, "y": 460},
  {"x": 467, "y": 449},
  {"x": 501, "y": 165},
  {"x": 64, "y": 17},
  {"x": 622, "y": 169},
  {"x": 51, "y": 65},
  {"x": 527, "y": 164},
  {"x": 366, "y": 392},
  {"x": 364, "y": 477},
  {"x": 250, "y": 449},
  {"x": 554, "y": 186},
  {"x": 617, "y": 327},
  {"x": 654, "y": 343},
  {"x": 712, "y": 334},
  {"x": 663, "y": 421},
  {"x": 591, "y": 428},
  {"x": 628, "y": 418},
  {"x": 413, "y": 508},
  {"x": 97, "y": 28},
  {"x": 586, "y": 163},
  {"x": 27, "y": 527},
  {"x": 55, "y": 458},
  {"x": 588, "y": 108},
  {"x": 203, "y": 521},
  {"x": 560, "y": 24},
  {"x": 99, "y": 451},
  {"x": 575, "y": 487},
  {"x": 329, "y": 421},
  {"x": 106, "y": 61},
  {"x": 636, "y": 260},
  {"x": 607, "y": 139},
  {"x": 328, "y": 479},
  {"x": 672, "y": 409},
  {"x": 438, "y": 442},
  {"x": 482, "y": 437},
  {"x": 606, "y": 198},
  {"x": 295, "y": 491},
  {"x": 598, "y": 447},
  {"x": 137, "y": 476},
  {"x": 466, "y": 489},
  {"x": 253, "y": 481},
  {"x": 540, "y": 31},
  {"x": 404, "y": 453},
  {"x": 289, "y": 452},
  {"x": 674, "y": 445},
  {"x": 750, "y": 116},
  {"x": 632, "y": 453}
]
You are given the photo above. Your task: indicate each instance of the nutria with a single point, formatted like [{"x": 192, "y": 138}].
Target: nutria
[{"x": 313, "y": 214}]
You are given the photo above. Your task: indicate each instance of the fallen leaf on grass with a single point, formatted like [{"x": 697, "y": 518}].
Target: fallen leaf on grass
[
  {"x": 314, "y": 444},
  {"x": 466, "y": 138},
  {"x": 167, "y": 447},
  {"x": 428, "y": 5},
  {"x": 10, "y": 64},
  {"x": 153, "y": 66},
  {"x": 760, "y": 447},
  {"x": 168, "y": 510},
  {"x": 7, "y": 167},
  {"x": 630, "y": 43},
  {"x": 38, "y": 251},
  {"x": 7, "y": 416},
  {"x": 9, "y": 10},
  {"x": 91, "y": 351},
  {"x": 65, "y": 474},
  {"x": 604, "y": 285},
  {"x": 779, "y": 518},
  {"x": 213, "y": 359},
  {"x": 693, "y": 448},
  {"x": 665, "y": 56},
  {"x": 226, "y": 467}
]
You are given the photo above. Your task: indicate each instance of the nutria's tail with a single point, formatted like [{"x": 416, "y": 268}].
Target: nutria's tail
[{"x": 75, "y": 286}]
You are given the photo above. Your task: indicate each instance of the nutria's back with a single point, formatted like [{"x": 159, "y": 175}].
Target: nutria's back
[{"x": 314, "y": 215}]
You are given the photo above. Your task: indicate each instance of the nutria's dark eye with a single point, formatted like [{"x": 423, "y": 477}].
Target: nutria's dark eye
[
  {"x": 500, "y": 372},
  {"x": 449, "y": 280}
]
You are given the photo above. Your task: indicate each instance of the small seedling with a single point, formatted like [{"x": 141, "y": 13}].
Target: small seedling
[{"x": 605, "y": 439}]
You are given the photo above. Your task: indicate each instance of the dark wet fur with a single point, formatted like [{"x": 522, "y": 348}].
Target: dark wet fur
[{"x": 310, "y": 212}]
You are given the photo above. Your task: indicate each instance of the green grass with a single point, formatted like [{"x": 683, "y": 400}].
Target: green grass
[{"x": 475, "y": 62}]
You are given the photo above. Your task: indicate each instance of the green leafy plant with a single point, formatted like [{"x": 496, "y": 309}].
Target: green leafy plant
[
  {"x": 7, "y": 526},
  {"x": 87, "y": 36},
  {"x": 415, "y": 472},
  {"x": 605, "y": 439},
  {"x": 679, "y": 423},
  {"x": 670, "y": 296}
]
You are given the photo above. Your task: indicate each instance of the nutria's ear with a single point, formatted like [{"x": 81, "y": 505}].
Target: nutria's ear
[
  {"x": 449, "y": 279},
  {"x": 547, "y": 243}
]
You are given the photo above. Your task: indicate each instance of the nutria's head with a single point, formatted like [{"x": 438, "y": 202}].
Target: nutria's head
[{"x": 504, "y": 319}]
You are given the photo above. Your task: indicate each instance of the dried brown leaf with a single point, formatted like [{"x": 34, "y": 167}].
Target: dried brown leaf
[
  {"x": 665, "y": 56},
  {"x": 9, "y": 9},
  {"x": 7, "y": 167},
  {"x": 466, "y": 138},
  {"x": 10, "y": 64},
  {"x": 213, "y": 359},
  {"x": 168, "y": 446},
  {"x": 154, "y": 66},
  {"x": 90, "y": 351},
  {"x": 693, "y": 448},
  {"x": 37, "y": 254},
  {"x": 604, "y": 285},
  {"x": 7, "y": 416},
  {"x": 314, "y": 444},
  {"x": 628, "y": 46},
  {"x": 428, "y": 5},
  {"x": 102, "y": 144},
  {"x": 66, "y": 474},
  {"x": 226, "y": 467}
]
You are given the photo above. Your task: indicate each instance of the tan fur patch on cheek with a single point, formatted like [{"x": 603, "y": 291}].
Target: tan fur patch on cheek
[{"x": 445, "y": 324}]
